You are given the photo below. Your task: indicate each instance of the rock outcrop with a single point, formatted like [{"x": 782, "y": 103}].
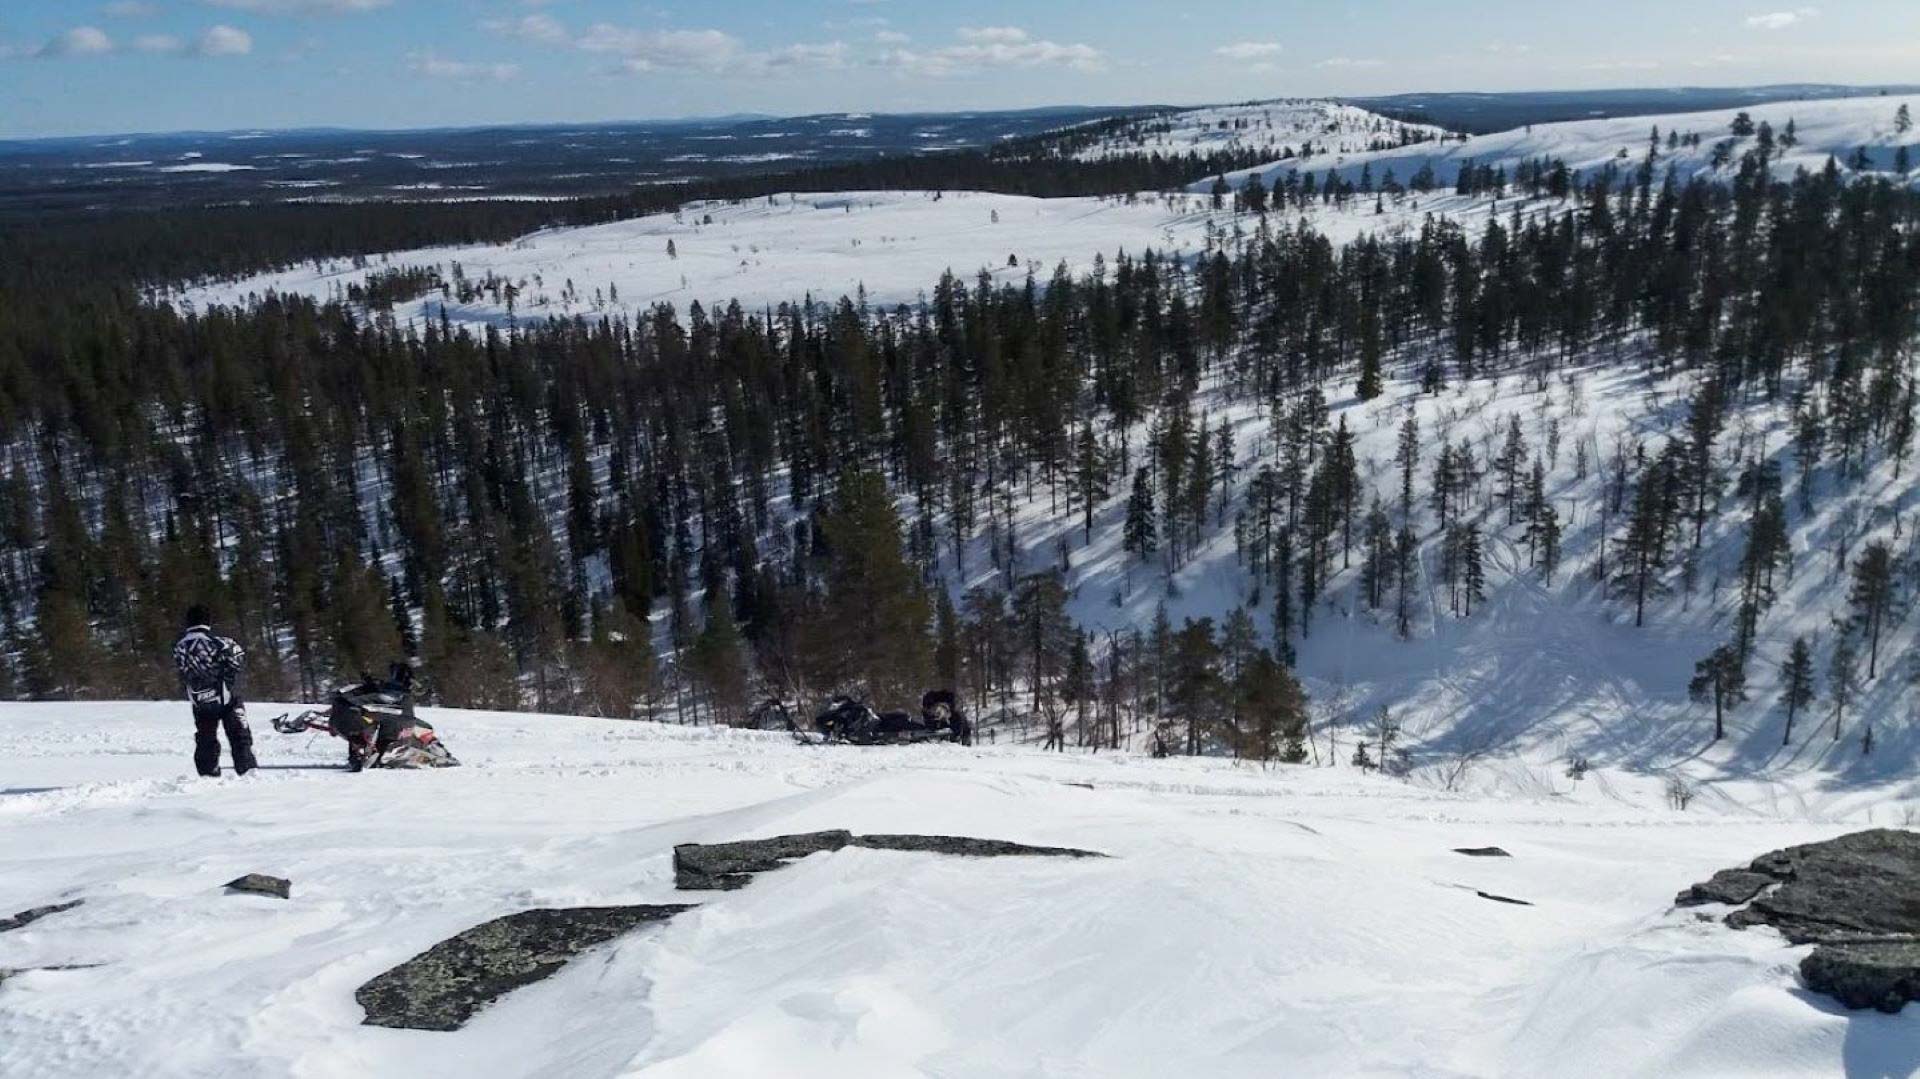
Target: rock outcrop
[
  {"x": 28, "y": 917},
  {"x": 442, "y": 987},
  {"x": 446, "y": 985},
  {"x": 726, "y": 866},
  {"x": 1856, "y": 897}
]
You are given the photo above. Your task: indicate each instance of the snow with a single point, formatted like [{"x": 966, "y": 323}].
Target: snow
[
  {"x": 1826, "y": 128},
  {"x": 767, "y": 252},
  {"x": 209, "y": 166},
  {"x": 1250, "y": 922},
  {"x": 1276, "y": 128}
]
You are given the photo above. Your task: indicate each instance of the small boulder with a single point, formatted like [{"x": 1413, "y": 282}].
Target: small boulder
[{"x": 261, "y": 884}]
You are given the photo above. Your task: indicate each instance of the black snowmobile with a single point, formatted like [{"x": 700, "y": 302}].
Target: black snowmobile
[
  {"x": 849, "y": 721},
  {"x": 377, "y": 721}
]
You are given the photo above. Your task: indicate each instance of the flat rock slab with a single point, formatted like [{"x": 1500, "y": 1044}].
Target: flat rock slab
[
  {"x": 1857, "y": 897},
  {"x": 261, "y": 884},
  {"x": 1482, "y": 852},
  {"x": 28, "y": 917},
  {"x": 727, "y": 866},
  {"x": 444, "y": 986}
]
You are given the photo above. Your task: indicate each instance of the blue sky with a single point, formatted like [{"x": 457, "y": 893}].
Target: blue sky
[{"x": 100, "y": 66}]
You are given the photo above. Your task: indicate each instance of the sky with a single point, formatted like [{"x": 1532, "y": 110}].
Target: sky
[{"x": 74, "y": 67}]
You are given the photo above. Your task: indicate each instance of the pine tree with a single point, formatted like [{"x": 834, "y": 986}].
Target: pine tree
[
  {"x": 1796, "y": 680},
  {"x": 871, "y": 628},
  {"x": 1139, "y": 533},
  {"x": 1092, "y": 479},
  {"x": 1767, "y": 550},
  {"x": 1197, "y": 689},
  {"x": 1273, "y": 711},
  {"x": 1873, "y": 598},
  {"x": 1720, "y": 678},
  {"x": 1843, "y": 678},
  {"x": 1407, "y": 455},
  {"x": 1473, "y": 569}
]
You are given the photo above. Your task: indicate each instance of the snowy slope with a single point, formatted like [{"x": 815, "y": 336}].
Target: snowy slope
[
  {"x": 1276, "y": 128},
  {"x": 1829, "y": 128},
  {"x": 1297, "y": 921}
]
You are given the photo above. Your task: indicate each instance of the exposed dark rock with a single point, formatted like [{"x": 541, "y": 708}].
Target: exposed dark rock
[
  {"x": 1881, "y": 974},
  {"x": 1730, "y": 886},
  {"x": 442, "y": 987},
  {"x": 10, "y": 972},
  {"x": 726, "y": 866},
  {"x": 968, "y": 848},
  {"x": 1504, "y": 899},
  {"x": 1482, "y": 852},
  {"x": 28, "y": 917},
  {"x": 1857, "y": 896},
  {"x": 261, "y": 884}
]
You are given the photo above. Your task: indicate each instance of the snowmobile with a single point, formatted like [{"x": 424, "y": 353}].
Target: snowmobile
[
  {"x": 849, "y": 721},
  {"x": 377, "y": 721}
]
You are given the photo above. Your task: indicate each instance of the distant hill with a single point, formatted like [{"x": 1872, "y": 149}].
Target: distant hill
[{"x": 1479, "y": 114}]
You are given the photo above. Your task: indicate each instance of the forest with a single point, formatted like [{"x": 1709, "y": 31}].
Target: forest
[{"x": 791, "y": 495}]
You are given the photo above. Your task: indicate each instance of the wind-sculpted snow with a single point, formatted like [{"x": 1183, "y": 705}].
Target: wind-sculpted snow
[{"x": 1249, "y": 921}]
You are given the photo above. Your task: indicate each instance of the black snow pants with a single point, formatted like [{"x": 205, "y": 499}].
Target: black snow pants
[{"x": 208, "y": 720}]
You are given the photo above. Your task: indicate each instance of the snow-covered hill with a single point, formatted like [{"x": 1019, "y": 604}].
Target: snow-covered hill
[
  {"x": 1836, "y": 129},
  {"x": 1250, "y": 922},
  {"x": 1277, "y": 129},
  {"x": 895, "y": 245}
]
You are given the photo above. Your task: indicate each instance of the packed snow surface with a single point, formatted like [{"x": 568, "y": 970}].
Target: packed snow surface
[
  {"x": 1835, "y": 129},
  {"x": 1251, "y": 922}
]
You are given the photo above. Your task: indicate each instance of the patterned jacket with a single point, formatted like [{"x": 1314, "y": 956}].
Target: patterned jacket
[{"x": 209, "y": 665}]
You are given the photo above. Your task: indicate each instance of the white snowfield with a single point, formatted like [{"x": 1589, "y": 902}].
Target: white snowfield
[
  {"x": 1276, "y": 128},
  {"x": 1250, "y": 922},
  {"x": 764, "y": 252},
  {"x": 1824, "y": 129}
]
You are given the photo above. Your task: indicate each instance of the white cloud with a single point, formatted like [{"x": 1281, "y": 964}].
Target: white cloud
[
  {"x": 993, "y": 47},
  {"x": 79, "y": 41},
  {"x": 891, "y": 37},
  {"x": 131, "y": 9},
  {"x": 639, "y": 51},
  {"x": 539, "y": 28},
  {"x": 653, "y": 50},
  {"x": 1003, "y": 35},
  {"x": 1245, "y": 52},
  {"x": 1620, "y": 65},
  {"x": 1350, "y": 61},
  {"x": 434, "y": 66},
  {"x": 224, "y": 41},
  {"x": 1780, "y": 20},
  {"x": 216, "y": 41},
  {"x": 301, "y": 7}
]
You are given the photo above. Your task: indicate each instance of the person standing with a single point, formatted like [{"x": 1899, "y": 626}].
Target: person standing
[{"x": 209, "y": 666}]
